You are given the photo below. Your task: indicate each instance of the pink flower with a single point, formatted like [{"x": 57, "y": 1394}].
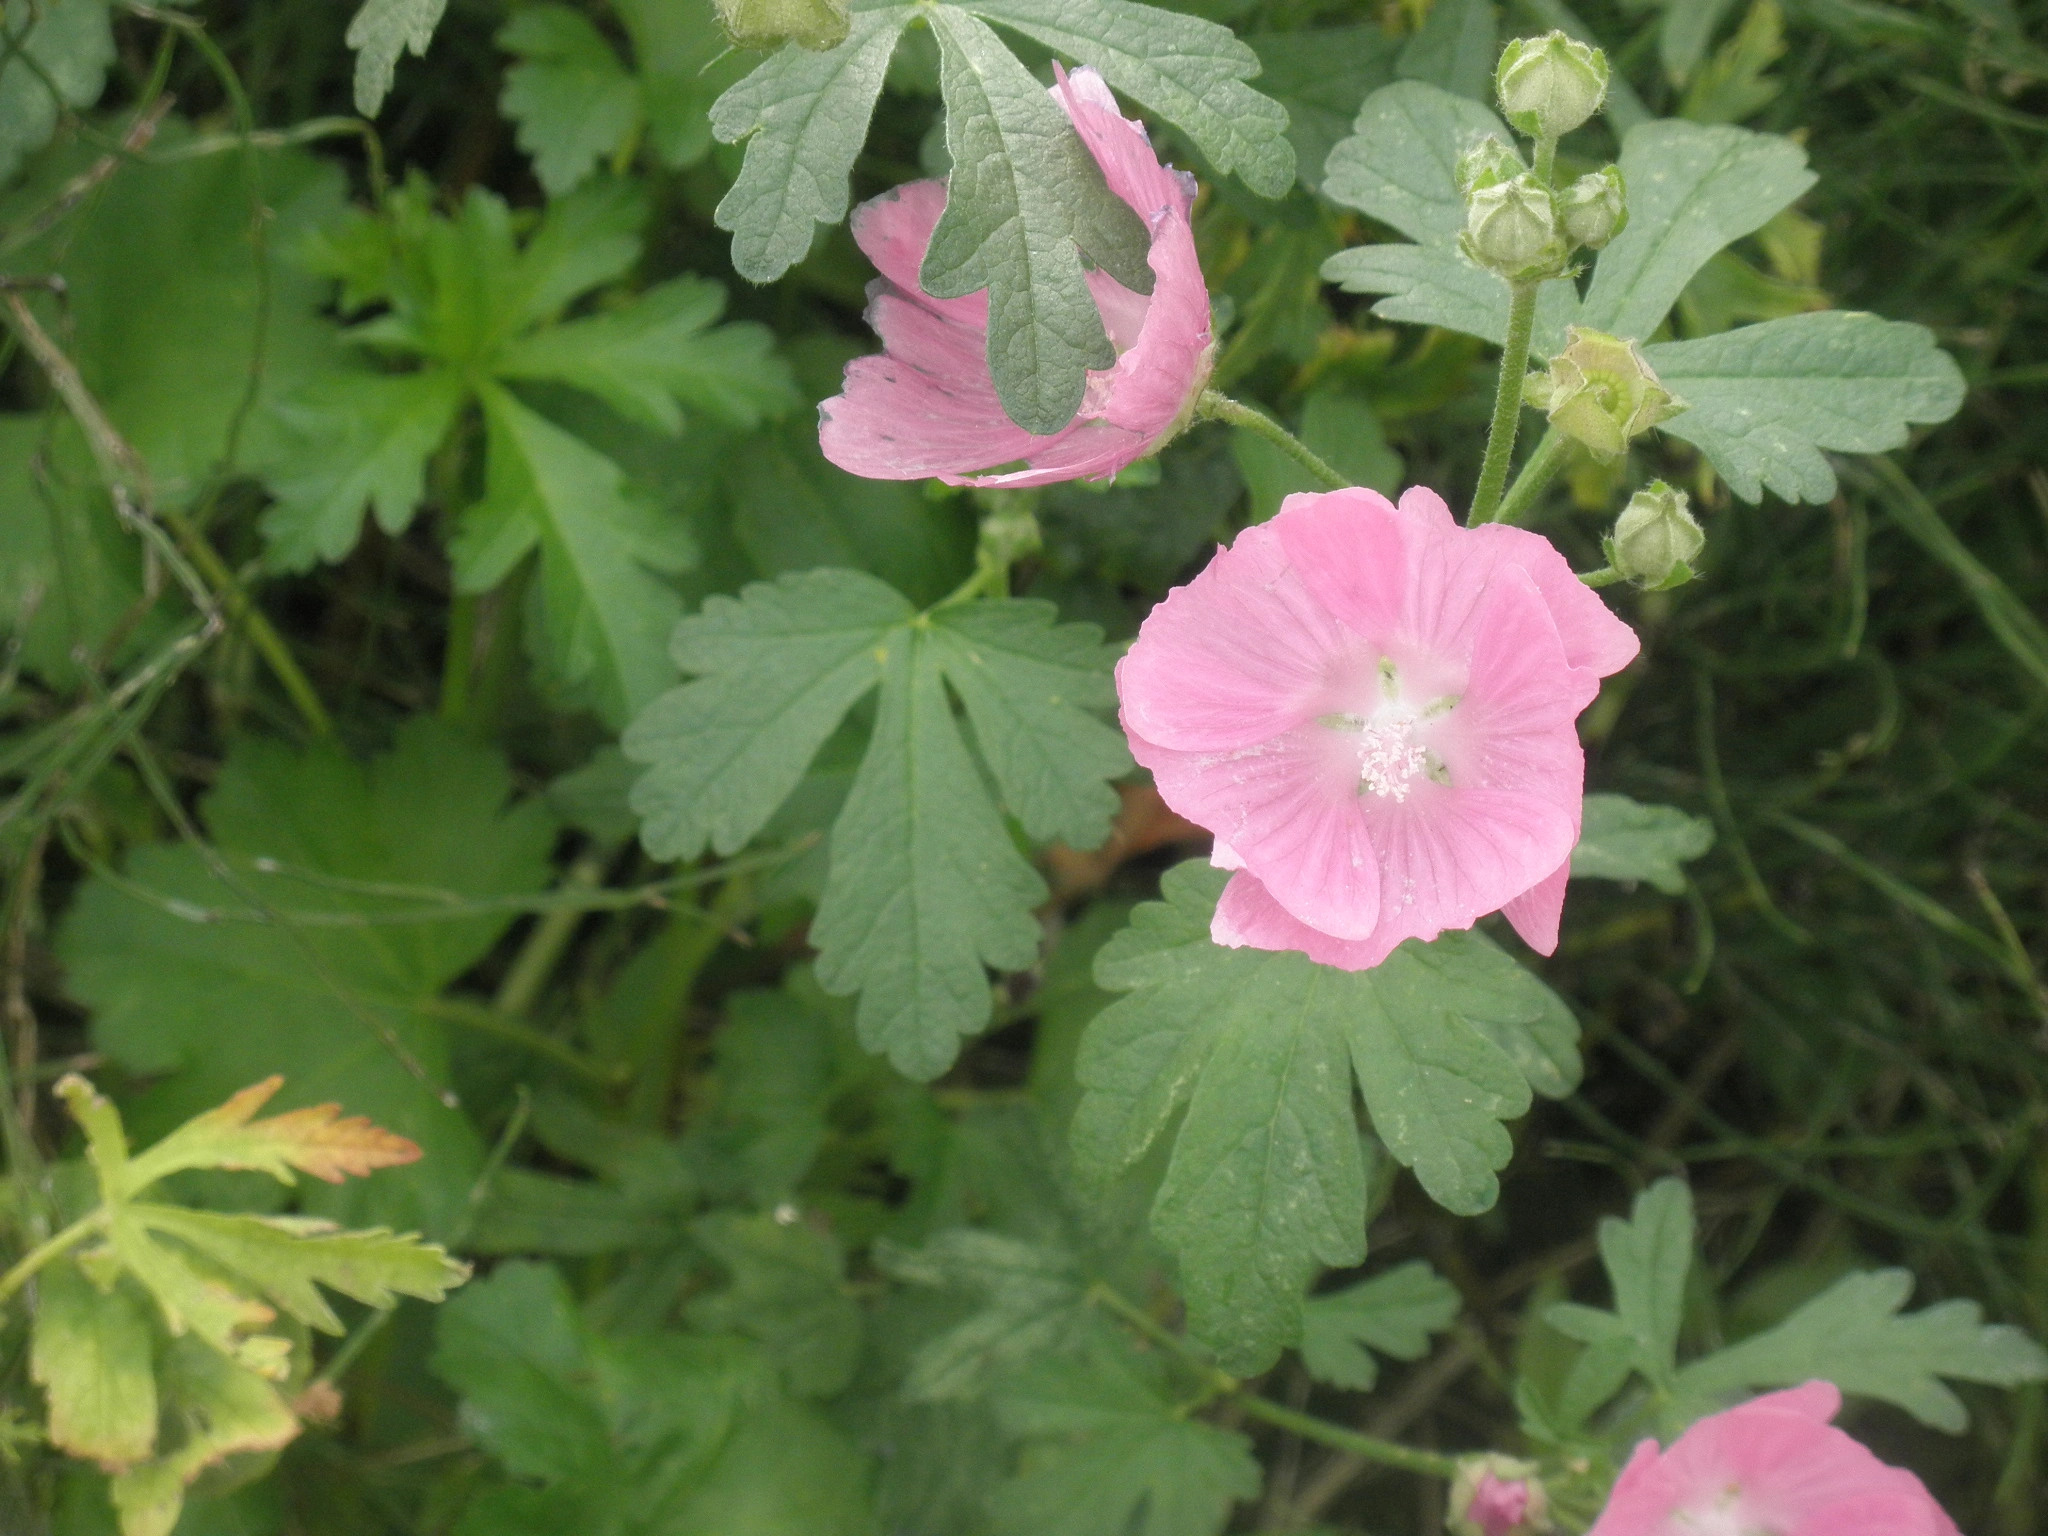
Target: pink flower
[
  {"x": 927, "y": 406},
  {"x": 1772, "y": 1467},
  {"x": 1373, "y": 709},
  {"x": 1497, "y": 1507},
  {"x": 1494, "y": 1495}
]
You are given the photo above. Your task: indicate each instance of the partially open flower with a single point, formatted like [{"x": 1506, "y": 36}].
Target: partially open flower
[
  {"x": 1601, "y": 390},
  {"x": 1774, "y": 1464},
  {"x": 927, "y": 406},
  {"x": 1497, "y": 1496},
  {"x": 1373, "y": 710}
]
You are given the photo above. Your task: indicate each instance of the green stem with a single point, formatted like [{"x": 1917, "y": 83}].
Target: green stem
[
  {"x": 25, "y": 1269},
  {"x": 489, "y": 1021},
  {"x": 1606, "y": 576},
  {"x": 1507, "y": 403},
  {"x": 543, "y": 947},
  {"x": 1546, "y": 161},
  {"x": 1387, "y": 1453},
  {"x": 458, "y": 657},
  {"x": 1222, "y": 1384},
  {"x": 1214, "y": 406},
  {"x": 1534, "y": 479},
  {"x": 691, "y": 937}
]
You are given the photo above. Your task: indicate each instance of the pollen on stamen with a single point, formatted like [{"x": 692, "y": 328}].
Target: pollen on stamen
[{"x": 1389, "y": 760}]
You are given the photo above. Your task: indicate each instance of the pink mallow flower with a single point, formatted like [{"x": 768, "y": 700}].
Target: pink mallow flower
[
  {"x": 926, "y": 405},
  {"x": 1373, "y": 710},
  {"x": 1772, "y": 1467}
]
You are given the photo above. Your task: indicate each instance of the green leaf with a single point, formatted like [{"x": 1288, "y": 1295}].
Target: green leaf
[
  {"x": 600, "y": 610},
  {"x": 1033, "y": 1303},
  {"x": 1117, "y": 1457},
  {"x": 1322, "y": 75},
  {"x": 1266, "y": 1182},
  {"x": 1033, "y": 688},
  {"x": 211, "y": 1006},
  {"x": 213, "y": 1411},
  {"x": 776, "y": 1074},
  {"x": 1398, "y": 167},
  {"x": 684, "y": 62},
  {"x": 1454, "y": 49},
  {"x": 67, "y": 45},
  {"x": 354, "y": 440},
  {"x": 70, "y": 575},
  {"x": 1394, "y": 1313},
  {"x": 1684, "y": 33},
  {"x": 573, "y": 100},
  {"x": 926, "y": 888},
  {"x": 1767, "y": 400},
  {"x": 779, "y": 667},
  {"x": 1647, "y": 1259},
  {"x": 92, "y": 1355},
  {"x": 1691, "y": 190},
  {"x": 1025, "y": 201},
  {"x": 789, "y": 1291},
  {"x": 1854, "y": 1335},
  {"x": 1189, "y": 71},
  {"x": 285, "y": 1258},
  {"x": 662, "y": 351},
  {"x": 185, "y": 330},
  {"x": 805, "y": 118},
  {"x": 515, "y": 1349},
  {"x": 382, "y": 30},
  {"x": 1622, "y": 840}
]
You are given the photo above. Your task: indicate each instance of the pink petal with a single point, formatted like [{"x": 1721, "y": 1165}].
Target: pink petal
[
  {"x": 1087, "y": 450},
  {"x": 1247, "y": 917},
  {"x": 1289, "y": 810},
  {"x": 1450, "y": 856},
  {"x": 1539, "y": 911},
  {"x": 1239, "y": 655},
  {"x": 1593, "y": 637},
  {"x": 1352, "y": 551},
  {"x": 893, "y": 230}
]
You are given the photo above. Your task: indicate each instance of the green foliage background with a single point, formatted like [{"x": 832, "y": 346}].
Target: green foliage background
[{"x": 476, "y": 405}]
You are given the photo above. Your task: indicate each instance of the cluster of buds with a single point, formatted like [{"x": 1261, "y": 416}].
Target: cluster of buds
[
  {"x": 1602, "y": 391},
  {"x": 1516, "y": 224}
]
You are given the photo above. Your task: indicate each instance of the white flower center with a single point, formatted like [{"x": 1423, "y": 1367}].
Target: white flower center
[
  {"x": 1725, "y": 1517},
  {"x": 1388, "y": 755},
  {"x": 1387, "y": 737}
]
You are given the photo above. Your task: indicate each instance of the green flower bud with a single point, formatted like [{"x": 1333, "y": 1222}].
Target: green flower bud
[
  {"x": 764, "y": 24},
  {"x": 1511, "y": 229},
  {"x": 1656, "y": 539},
  {"x": 1550, "y": 85},
  {"x": 1487, "y": 164},
  {"x": 1494, "y": 1495},
  {"x": 1601, "y": 390},
  {"x": 1594, "y": 209}
]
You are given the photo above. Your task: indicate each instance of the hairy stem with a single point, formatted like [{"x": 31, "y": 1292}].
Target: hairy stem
[
  {"x": 1220, "y": 1383},
  {"x": 1533, "y": 480},
  {"x": 1507, "y": 403},
  {"x": 1214, "y": 406}
]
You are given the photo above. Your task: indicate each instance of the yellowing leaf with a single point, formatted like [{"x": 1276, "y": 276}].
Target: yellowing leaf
[
  {"x": 318, "y": 1139},
  {"x": 91, "y": 1357},
  {"x": 285, "y": 1257},
  {"x": 218, "y": 1411}
]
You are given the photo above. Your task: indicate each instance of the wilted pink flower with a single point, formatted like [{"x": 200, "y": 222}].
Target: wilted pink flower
[
  {"x": 1495, "y": 1495},
  {"x": 1772, "y": 1467},
  {"x": 1498, "y": 1507},
  {"x": 927, "y": 406},
  {"x": 1373, "y": 709}
]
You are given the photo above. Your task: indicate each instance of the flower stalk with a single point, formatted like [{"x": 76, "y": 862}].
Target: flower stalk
[
  {"x": 1507, "y": 403},
  {"x": 1216, "y": 406}
]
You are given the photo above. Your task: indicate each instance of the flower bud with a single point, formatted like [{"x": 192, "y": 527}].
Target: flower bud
[
  {"x": 1601, "y": 390},
  {"x": 1511, "y": 229},
  {"x": 1487, "y": 164},
  {"x": 1550, "y": 85},
  {"x": 765, "y": 24},
  {"x": 1594, "y": 209},
  {"x": 1497, "y": 1496},
  {"x": 1656, "y": 539}
]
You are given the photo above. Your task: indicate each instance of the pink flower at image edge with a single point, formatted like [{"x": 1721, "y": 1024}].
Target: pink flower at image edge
[
  {"x": 1773, "y": 1466},
  {"x": 926, "y": 406},
  {"x": 1374, "y": 711}
]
